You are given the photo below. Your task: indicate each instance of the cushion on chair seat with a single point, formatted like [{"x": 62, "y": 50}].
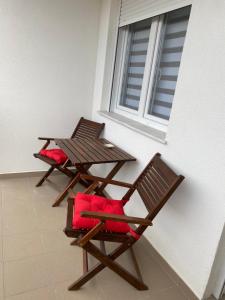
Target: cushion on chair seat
[
  {"x": 57, "y": 155},
  {"x": 84, "y": 202}
]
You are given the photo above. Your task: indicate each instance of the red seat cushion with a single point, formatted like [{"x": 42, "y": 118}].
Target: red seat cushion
[
  {"x": 84, "y": 202},
  {"x": 57, "y": 155}
]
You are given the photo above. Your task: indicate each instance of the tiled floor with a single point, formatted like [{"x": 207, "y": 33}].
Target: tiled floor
[{"x": 38, "y": 263}]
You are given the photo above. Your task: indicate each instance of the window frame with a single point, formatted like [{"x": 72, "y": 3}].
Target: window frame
[{"x": 142, "y": 115}]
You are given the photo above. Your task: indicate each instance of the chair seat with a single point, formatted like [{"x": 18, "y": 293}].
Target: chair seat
[
  {"x": 58, "y": 155},
  {"x": 93, "y": 203}
]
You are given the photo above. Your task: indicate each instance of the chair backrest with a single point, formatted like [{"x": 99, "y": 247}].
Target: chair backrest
[
  {"x": 156, "y": 184},
  {"x": 87, "y": 129}
]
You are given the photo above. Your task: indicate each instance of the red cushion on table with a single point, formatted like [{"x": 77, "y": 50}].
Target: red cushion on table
[
  {"x": 84, "y": 202},
  {"x": 58, "y": 155}
]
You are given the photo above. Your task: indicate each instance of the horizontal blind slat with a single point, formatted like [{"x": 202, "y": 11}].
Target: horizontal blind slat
[{"x": 172, "y": 50}]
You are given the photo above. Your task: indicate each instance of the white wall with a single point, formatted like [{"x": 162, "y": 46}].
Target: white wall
[
  {"x": 47, "y": 68},
  {"x": 188, "y": 229}
]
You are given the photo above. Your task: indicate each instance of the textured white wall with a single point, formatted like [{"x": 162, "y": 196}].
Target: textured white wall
[
  {"x": 188, "y": 229},
  {"x": 47, "y": 68}
]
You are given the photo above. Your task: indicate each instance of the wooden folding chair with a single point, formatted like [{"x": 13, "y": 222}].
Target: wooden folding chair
[
  {"x": 84, "y": 129},
  {"x": 155, "y": 185}
]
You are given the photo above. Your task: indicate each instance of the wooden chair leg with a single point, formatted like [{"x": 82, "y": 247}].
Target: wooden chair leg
[
  {"x": 107, "y": 261},
  {"x": 97, "y": 268},
  {"x": 64, "y": 193},
  {"x": 50, "y": 170},
  {"x": 85, "y": 261}
]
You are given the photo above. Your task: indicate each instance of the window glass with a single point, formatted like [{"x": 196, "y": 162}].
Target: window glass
[
  {"x": 173, "y": 36},
  {"x": 138, "y": 38}
]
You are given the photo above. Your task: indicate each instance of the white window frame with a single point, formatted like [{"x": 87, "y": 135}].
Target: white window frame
[{"x": 152, "y": 58}]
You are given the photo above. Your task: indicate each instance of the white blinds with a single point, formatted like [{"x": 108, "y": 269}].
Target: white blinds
[
  {"x": 136, "y": 10},
  {"x": 136, "y": 57},
  {"x": 167, "y": 72}
]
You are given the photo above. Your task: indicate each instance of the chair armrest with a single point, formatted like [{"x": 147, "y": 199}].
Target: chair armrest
[
  {"x": 109, "y": 181},
  {"x": 48, "y": 141},
  {"x": 117, "y": 218},
  {"x": 46, "y": 138}
]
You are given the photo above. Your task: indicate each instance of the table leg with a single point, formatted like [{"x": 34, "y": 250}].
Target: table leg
[{"x": 100, "y": 190}]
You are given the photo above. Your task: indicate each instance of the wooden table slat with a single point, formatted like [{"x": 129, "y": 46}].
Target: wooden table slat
[
  {"x": 80, "y": 154},
  {"x": 102, "y": 150},
  {"x": 75, "y": 154},
  {"x": 63, "y": 144},
  {"x": 94, "y": 151},
  {"x": 120, "y": 151},
  {"x": 109, "y": 152},
  {"x": 115, "y": 151},
  {"x": 90, "y": 155}
]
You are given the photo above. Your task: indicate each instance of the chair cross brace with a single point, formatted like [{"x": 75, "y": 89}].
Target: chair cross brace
[{"x": 108, "y": 261}]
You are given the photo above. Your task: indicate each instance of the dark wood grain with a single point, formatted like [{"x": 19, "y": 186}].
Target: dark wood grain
[
  {"x": 94, "y": 151},
  {"x": 117, "y": 218}
]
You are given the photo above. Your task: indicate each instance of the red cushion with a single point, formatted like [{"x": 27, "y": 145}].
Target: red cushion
[
  {"x": 57, "y": 155},
  {"x": 84, "y": 202}
]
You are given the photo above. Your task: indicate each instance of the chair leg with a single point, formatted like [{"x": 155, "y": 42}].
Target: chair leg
[
  {"x": 71, "y": 184},
  {"x": 85, "y": 261},
  {"x": 50, "y": 170},
  {"x": 107, "y": 261},
  {"x": 97, "y": 268}
]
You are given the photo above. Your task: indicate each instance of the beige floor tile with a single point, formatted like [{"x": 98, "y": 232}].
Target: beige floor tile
[
  {"x": 153, "y": 275},
  {"x": 46, "y": 293},
  {"x": 42, "y": 270},
  {"x": 11, "y": 194},
  {"x": 67, "y": 264},
  {"x": 16, "y": 184},
  {"x": 46, "y": 190},
  {"x": 1, "y": 248},
  {"x": 21, "y": 276},
  {"x": 1, "y": 282},
  {"x": 49, "y": 218},
  {"x": 14, "y": 204},
  {"x": 88, "y": 292},
  {"x": 1, "y": 223},
  {"x": 55, "y": 240},
  {"x": 0, "y": 199},
  {"x": 22, "y": 245},
  {"x": 19, "y": 224},
  {"x": 168, "y": 294},
  {"x": 109, "y": 283}
]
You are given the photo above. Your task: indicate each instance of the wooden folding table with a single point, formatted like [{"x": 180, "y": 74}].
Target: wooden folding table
[{"x": 83, "y": 153}]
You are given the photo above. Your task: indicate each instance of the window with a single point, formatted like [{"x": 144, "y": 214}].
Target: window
[{"x": 146, "y": 69}]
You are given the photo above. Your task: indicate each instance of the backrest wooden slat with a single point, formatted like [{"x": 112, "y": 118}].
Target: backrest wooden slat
[
  {"x": 87, "y": 129},
  {"x": 156, "y": 184}
]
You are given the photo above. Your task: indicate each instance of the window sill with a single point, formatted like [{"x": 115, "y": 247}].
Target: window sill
[{"x": 153, "y": 133}]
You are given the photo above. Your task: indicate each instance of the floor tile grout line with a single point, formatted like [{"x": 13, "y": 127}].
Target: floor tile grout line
[{"x": 34, "y": 255}]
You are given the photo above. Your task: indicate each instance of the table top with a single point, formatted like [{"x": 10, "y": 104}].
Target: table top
[{"x": 92, "y": 151}]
